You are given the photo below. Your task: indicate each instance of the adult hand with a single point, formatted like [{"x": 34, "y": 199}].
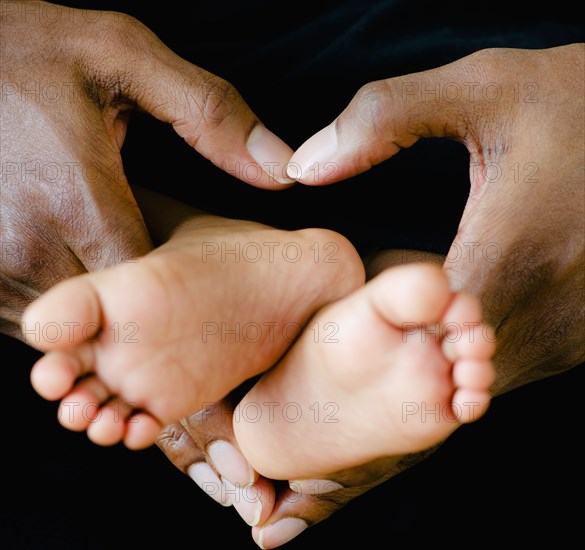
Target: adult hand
[
  {"x": 203, "y": 446},
  {"x": 521, "y": 240},
  {"x": 69, "y": 79}
]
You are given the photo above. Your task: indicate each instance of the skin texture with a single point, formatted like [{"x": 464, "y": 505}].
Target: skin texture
[
  {"x": 359, "y": 395},
  {"x": 520, "y": 244},
  {"x": 196, "y": 322},
  {"x": 66, "y": 97},
  {"x": 539, "y": 225}
]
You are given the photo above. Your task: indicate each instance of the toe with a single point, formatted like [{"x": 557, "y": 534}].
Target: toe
[
  {"x": 54, "y": 374},
  {"x": 464, "y": 334},
  {"x": 475, "y": 343},
  {"x": 474, "y": 374},
  {"x": 415, "y": 293},
  {"x": 142, "y": 430},
  {"x": 66, "y": 315},
  {"x": 82, "y": 406},
  {"x": 469, "y": 405},
  {"x": 109, "y": 425},
  {"x": 118, "y": 421},
  {"x": 464, "y": 311}
]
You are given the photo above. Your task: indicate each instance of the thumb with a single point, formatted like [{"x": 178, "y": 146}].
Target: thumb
[
  {"x": 205, "y": 110},
  {"x": 388, "y": 115}
]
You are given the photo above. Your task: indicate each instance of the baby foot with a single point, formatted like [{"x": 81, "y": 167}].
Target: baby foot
[
  {"x": 393, "y": 368},
  {"x": 142, "y": 345}
]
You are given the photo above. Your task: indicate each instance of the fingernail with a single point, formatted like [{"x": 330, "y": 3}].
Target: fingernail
[
  {"x": 314, "y": 486},
  {"x": 313, "y": 155},
  {"x": 280, "y": 533},
  {"x": 205, "y": 477},
  {"x": 230, "y": 463},
  {"x": 246, "y": 501},
  {"x": 271, "y": 153}
]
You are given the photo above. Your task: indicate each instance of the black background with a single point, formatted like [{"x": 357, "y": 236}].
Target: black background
[{"x": 517, "y": 470}]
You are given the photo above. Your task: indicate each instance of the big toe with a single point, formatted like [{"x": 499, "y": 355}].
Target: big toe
[
  {"x": 414, "y": 293},
  {"x": 66, "y": 315}
]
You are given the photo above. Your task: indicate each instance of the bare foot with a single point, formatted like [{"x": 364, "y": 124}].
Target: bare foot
[
  {"x": 403, "y": 356},
  {"x": 142, "y": 345}
]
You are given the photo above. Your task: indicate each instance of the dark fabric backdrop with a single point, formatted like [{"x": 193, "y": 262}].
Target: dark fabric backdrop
[{"x": 298, "y": 64}]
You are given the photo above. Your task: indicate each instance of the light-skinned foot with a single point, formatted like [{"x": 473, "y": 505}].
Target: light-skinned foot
[
  {"x": 144, "y": 344},
  {"x": 403, "y": 356}
]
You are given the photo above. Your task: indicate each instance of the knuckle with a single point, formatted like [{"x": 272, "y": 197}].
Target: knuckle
[
  {"x": 178, "y": 446},
  {"x": 122, "y": 28},
  {"x": 486, "y": 64},
  {"x": 493, "y": 66},
  {"x": 217, "y": 99},
  {"x": 373, "y": 104},
  {"x": 108, "y": 65},
  {"x": 172, "y": 437}
]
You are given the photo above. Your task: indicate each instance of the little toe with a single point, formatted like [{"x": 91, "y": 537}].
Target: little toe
[
  {"x": 469, "y": 405},
  {"x": 142, "y": 430}
]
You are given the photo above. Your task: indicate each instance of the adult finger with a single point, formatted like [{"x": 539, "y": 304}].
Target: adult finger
[
  {"x": 134, "y": 66},
  {"x": 203, "y": 446},
  {"x": 309, "y": 502},
  {"x": 388, "y": 115}
]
